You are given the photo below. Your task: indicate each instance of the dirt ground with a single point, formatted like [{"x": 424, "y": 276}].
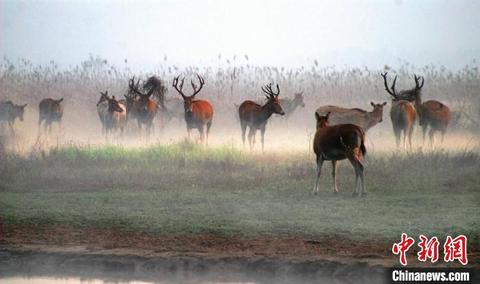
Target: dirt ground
[{"x": 113, "y": 242}]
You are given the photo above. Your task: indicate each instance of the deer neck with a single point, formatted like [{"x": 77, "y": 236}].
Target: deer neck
[
  {"x": 418, "y": 104},
  {"x": 373, "y": 117},
  {"x": 267, "y": 111}
]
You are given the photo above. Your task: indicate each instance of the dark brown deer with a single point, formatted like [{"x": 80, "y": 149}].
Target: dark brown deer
[
  {"x": 360, "y": 117},
  {"x": 433, "y": 114},
  {"x": 402, "y": 113},
  {"x": 338, "y": 142},
  {"x": 140, "y": 106},
  {"x": 198, "y": 113},
  {"x": 112, "y": 113},
  {"x": 9, "y": 112},
  {"x": 256, "y": 116},
  {"x": 50, "y": 111}
]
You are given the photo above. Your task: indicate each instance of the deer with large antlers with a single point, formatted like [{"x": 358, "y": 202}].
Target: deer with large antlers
[
  {"x": 433, "y": 114},
  {"x": 198, "y": 113},
  {"x": 140, "y": 105},
  {"x": 255, "y": 116},
  {"x": 402, "y": 113}
]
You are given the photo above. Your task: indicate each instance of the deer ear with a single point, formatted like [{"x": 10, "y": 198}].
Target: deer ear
[
  {"x": 60, "y": 100},
  {"x": 384, "y": 103},
  {"x": 24, "y": 105},
  {"x": 371, "y": 103},
  {"x": 327, "y": 115},
  {"x": 317, "y": 116}
]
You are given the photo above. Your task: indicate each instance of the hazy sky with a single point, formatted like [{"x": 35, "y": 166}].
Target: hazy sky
[{"x": 289, "y": 33}]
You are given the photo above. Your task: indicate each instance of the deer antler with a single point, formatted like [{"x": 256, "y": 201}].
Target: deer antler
[
  {"x": 268, "y": 90},
  {"x": 392, "y": 91},
  {"x": 175, "y": 85},
  {"x": 417, "y": 81},
  {"x": 195, "y": 90}
]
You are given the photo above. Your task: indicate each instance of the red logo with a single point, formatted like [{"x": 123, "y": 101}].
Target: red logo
[
  {"x": 453, "y": 249},
  {"x": 456, "y": 249},
  {"x": 428, "y": 249},
  {"x": 402, "y": 247}
]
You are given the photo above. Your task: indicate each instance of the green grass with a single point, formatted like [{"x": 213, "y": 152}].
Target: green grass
[{"x": 184, "y": 188}]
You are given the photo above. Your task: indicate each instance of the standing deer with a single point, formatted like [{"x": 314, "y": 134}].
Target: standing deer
[
  {"x": 141, "y": 106},
  {"x": 432, "y": 114},
  {"x": 402, "y": 113},
  {"x": 338, "y": 142},
  {"x": 255, "y": 116},
  {"x": 290, "y": 105},
  {"x": 9, "y": 112},
  {"x": 198, "y": 113},
  {"x": 360, "y": 117},
  {"x": 50, "y": 111},
  {"x": 112, "y": 113}
]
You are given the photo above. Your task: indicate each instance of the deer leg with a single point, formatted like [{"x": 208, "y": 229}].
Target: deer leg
[
  {"x": 12, "y": 131},
  {"x": 319, "y": 172},
  {"x": 410, "y": 134},
  {"x": 244, "y": 129},
  {"x": 209, "y": 124},
  {"x": 397, "y": 133},
  {"x": 358, "y": 167},
  {"x": 424, "y": 132},
  {"x": 431, "y": 135},
  {"x": 202, "y": 135},
  {"x": 251, "y": 138},
  {"x": 262, "y": 132},
  {"x": 334, "y": 176},
  {"x": 405, "y": 133}
]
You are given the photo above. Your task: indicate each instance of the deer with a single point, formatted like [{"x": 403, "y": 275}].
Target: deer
[
  {"x": 198, "y": 113},
  {"x": 9, "y": 112},
  {"x": 402, "y": 113},
  {"x": 290, "y": 105},
  {"x": 339, "y": 142},
  {"x": 112, "y": 113},
  {"x": 50, "y": 110},
  {"x": 433, "y": 114},
  {"x": 140, "y": 106},
  {"x": 256, "y": 116},
  {"x": 364, "y": 119}
]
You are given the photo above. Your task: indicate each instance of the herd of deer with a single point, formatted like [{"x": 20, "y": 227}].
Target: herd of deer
[{"x": 340, "y": 131}]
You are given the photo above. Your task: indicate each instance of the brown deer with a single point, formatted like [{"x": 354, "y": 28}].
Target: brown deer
[
  {"x": 50, "y": 111},
  {"x": 112, "y": 113},
  {"x": 9, "y": 112},
  {"x": 338, "y": 142},
  {"x": 402, "y": 113},
  {"x": 198, "y": 113},
  {"x": 360, "y": 117},
  {"x": 255, "y": 116},
  {"x": 432, "y": 114},
  {"x": 140, "y": 106}
]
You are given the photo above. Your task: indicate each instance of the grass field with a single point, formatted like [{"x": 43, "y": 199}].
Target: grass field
[{"x": 184, "y": 188}]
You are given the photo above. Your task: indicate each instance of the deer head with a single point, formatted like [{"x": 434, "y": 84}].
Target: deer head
[
  {"x": 188, "y": 100},
  {"x": 103, "y": 97},
  {"x": 298, "y": 99},
  {"x": 322, "y": 121},
  {"x": 113, "y": 105},
  {"x": 272, "y": 98},
  {"x": 18, "y": 111},
  {"x": 378, "y": 111}
]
